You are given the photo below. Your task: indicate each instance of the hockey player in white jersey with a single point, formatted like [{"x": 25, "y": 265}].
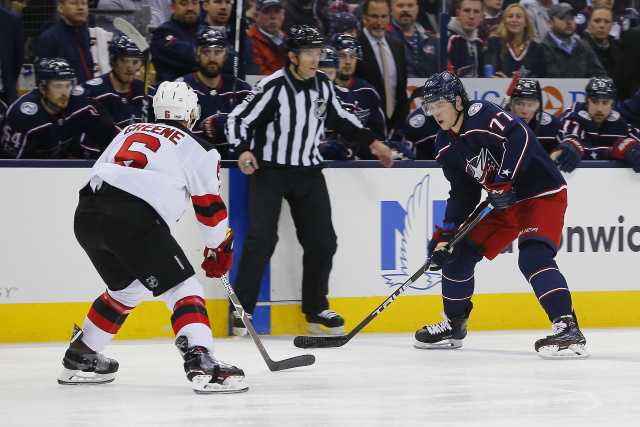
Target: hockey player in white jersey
[{"x": 137, "y": 189}]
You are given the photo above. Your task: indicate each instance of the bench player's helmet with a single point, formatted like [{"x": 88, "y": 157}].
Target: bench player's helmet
[
  {"x": 122, "y": 46},
  {"x": 601, "y": 88},
  {"x": 176, "y": 101},
  {"x": 527, "y": 89},
  {"x": 346, "y": 42},
  {"x": 445, "y": 85},
  {"x": 54, "y": 69},
  {"x": 329, "y": 58},
  {"x": 210, "y": 37}
]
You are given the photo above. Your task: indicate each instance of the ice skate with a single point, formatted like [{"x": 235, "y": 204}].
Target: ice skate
[
  {"x": 239, "y": 328},
  {"x": 446, "y": 335},
  {"x": 85, "y": 366},
  {"x": 208, "y": 374},
  {"x": 566, "y": 342},
  {"x": 326, "y": 322}
]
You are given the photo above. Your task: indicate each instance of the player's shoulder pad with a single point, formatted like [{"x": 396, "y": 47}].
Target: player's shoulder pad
[
  {"x": 77, "y": 90},
  {"x": 614, "y": 116},
  {"x": 94, "y": 82},
  {"x": 340, "y": 88},
  {"x": 545, "y": 118}
]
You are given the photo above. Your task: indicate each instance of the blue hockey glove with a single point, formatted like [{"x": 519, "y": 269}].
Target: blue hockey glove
[
  {"x": 628, "y": 150},
  {"x": 437, "y": 252},
  {"x": 334, "y": 149},
  {"x": 501, "y": 195},
  {"x": 400, "y": 151},
  {"x": 567, "y": 155}
]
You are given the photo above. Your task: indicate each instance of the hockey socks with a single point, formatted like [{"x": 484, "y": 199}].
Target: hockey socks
[
  {"x": 104, "y": 320},
  {"x": 541, "y": 271}
]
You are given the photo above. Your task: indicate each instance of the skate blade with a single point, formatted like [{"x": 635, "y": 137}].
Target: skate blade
[
  {"x": 75, "y": 377},
  {"x": 442, "y": 345},
  {"x": 553, "y": 352},
  {"x": 317, "y": 329},
  {"x": 232, "y": 384}
]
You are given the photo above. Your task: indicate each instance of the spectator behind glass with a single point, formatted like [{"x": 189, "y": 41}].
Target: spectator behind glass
[
  {"x": 630, "y": 110},
  {"x": 218, "y": 14},
  {"x": 118, "y": 90},
  {"x": 627, "y": 77},
  {"x": 429, "y": 14},
  {"x": 538, "y": 11},
  {"x": 53, "y": 121},
  {"x": 593, "y": 130},
  {"x": 491, "y": 17},
  {"x": 512, "y": 48},
  {"x": 160, "y": 9},
  {"x": 267, "y": 37},
  {"x": 11, "y": 55},
  {"x": 218, "y": 93},
  {"x": 420, "y": 46},
  {"x": 173, "y": 42},
  {"x": 565, "y": 55},
  {"x": 302, "y": 12},
  {"x": 465, "y": 48},
  {"x": 380, "y": 51},
  {"x": 69, "y": 39},
  {"x": 598, "y": 35},
  {"x": 526, "y": 103},
  {"x": 583, "y": 17},
  {"x": 344, "y": 23}
]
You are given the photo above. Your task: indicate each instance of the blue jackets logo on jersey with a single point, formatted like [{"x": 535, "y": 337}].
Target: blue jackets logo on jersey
[
  {"x": 483, "y": 168},
  {"x": 404, "y": 236}
]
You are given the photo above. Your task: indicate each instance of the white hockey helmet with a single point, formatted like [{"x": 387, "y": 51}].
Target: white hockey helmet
[{"x": 176, "y": 101}]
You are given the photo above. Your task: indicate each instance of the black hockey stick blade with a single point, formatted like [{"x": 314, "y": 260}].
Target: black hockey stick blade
[
  {"x": 339, "y": 341},
  {"x": 274, "y": 365}
]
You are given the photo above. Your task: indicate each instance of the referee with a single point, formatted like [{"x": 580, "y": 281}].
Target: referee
[{"x": 276, "y": 132}]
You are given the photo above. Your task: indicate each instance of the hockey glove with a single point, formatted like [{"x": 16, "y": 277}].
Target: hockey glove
[
  {"x": 213, "y": 128},
  {"x": 334, "y": 149},
  {"x": 437, "y": 252},
  {"x": 400, "y": 151},
  {"x": 218, "y": 261},
  {"x": 501, "y": 195},
  {"x": 628, "y": 150},
  {"x": 568, "y": 155}
]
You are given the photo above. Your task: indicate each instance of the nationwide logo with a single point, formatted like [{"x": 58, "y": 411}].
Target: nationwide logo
[
  {"x": 554, "y": 103},
  {"x": 405, "y": 230}
]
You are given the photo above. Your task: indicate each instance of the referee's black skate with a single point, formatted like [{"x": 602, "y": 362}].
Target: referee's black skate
[
  {"x": 85, "y": 366},
  {"x": 566, "y": 342},
  {"x": 446, "y": 335},
  {"x": 328, "y": 319},
  {"x": 208, "y": 374}
]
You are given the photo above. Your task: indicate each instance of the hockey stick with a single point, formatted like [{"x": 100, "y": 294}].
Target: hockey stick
[
  {"x": 294, "y": 362},
  {"x": 236, "y": 46},
  {"x": 339, "y": 341},
  {"x": 130, "y": 31},
  {"x": 512, "y": 85}
]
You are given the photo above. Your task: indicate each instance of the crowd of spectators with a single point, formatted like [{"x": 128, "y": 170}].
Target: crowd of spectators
[{"x": 391, "y": 40}]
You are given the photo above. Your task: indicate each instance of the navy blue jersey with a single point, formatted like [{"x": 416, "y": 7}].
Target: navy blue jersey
[
  {"x": 30, "y": 132},
  {"x": 125, "y": 108},
  {"x": 218, "y": 101},
  {"x": 578, "y": 126},
  {"x": 421, "y": 131},
  {"x": 173, "y": 50},
  {"x": 361, "y": 99},
  {"x": 493, "y": 143},
  {"x": 547, "y": 130},
  {"x": 630, "y": 110}
]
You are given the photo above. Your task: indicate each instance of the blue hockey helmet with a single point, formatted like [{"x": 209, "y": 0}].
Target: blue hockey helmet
[
  {"x": 445, "y": 85},
  {"x": 329, "y": 58},
  {"x": 122, "y": 46},
  {"x": 601, "y": 88},
  {"x": 346, "y": 42},
  {"x": 304, "y": 37},
  {"x": 527, "y": 89},
  {"x": 210, "y": 37},
  {"x": 53, "y": 69}
]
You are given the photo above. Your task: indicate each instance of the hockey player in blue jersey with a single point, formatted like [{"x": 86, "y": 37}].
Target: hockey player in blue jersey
[
  {"x": 482, "y": 147},
  {"x": 218, "y": 93},
  {"x": 526, "y": 103},
  {"x": 593, "y": 130},
  {"x": 630, "y": 110},
  {"x": 118, "y": 90},
  {"x": 53, "y": 121},
  {"x": 421, "y": 130}
]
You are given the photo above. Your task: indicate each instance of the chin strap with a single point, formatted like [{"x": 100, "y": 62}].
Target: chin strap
[{"x": 459, "y": 114}]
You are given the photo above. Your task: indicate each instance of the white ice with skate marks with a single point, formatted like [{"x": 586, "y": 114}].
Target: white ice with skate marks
[{"x": 495, "y": 379}]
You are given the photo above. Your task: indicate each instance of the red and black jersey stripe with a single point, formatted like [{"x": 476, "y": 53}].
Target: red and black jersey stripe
[
  {"x": 187, "y": 311},
  {"x": 210, "y": 209},
  {"x": 108, "y": 314}
]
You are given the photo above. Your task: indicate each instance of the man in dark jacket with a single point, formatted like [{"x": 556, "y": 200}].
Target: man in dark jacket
[
  {"x": 11, "y": 54},
  {"x": 69, "y": 39}
]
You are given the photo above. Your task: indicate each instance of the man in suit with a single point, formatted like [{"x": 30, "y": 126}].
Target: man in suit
[
  {"x": 627, "y": 75},
  {"x": 381, "y": 53},
  {"x": 11, "y": 54}
]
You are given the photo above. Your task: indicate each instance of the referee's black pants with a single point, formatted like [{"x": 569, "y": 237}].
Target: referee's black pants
[{"x": 305, "y": 190}]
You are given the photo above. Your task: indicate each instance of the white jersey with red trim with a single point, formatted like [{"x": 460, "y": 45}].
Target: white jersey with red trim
[{"x": 164, "y": 164}]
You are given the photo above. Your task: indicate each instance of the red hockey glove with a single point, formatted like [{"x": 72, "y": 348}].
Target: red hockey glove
[
  {"x": 218, "y": 261},
  {"x": 628, "y": 150},
  {"x": 501, "y": 195},
  {"x": 437, "y": 252}
]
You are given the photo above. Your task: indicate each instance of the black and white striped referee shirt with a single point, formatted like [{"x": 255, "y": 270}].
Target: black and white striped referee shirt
[{"x": 283, "y": 120}]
